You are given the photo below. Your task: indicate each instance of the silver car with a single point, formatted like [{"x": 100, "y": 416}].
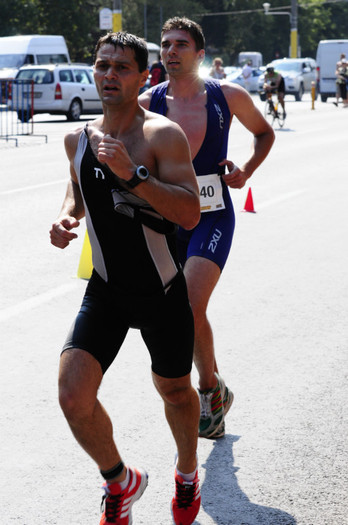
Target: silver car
[
  {"x": 66, "y": 89},
  {"x": 298, "y": 74}
]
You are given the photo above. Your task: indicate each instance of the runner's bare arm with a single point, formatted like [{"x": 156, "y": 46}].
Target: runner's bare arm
[
  {"x": 175, "y": 193},
  {"x": 240, "y": 104},
  {"x": 145, "y": 98},
  {"x": 72, "y": 208},
  {"x": 172, "y": 188}
]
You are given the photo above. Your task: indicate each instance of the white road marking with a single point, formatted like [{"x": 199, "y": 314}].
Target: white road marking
[
  {"x": 36, "y": 301},
  {"x": 34, "y": 187}
]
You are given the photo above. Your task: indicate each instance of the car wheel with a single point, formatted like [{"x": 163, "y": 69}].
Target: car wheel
[
  {"x": 323, "y": 97},
  {"x": 75, "y": 110},
  {"x": 299, "y": 93}
]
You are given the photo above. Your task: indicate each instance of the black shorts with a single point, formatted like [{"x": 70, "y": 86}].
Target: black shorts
[
  {"x": 280, "y": 90},
  {"x": 165, "y": 322},
  {"x": 281, "y": 87}
]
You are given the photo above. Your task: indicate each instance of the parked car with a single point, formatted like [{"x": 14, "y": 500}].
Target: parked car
[
  {"x": 65, "y": 89},
  {"x": 237, "y": 78},
  {"x": 298, "y": 74}
]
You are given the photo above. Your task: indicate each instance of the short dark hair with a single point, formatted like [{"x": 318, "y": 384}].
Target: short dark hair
[
  {"x": 185, "y": 24},
  {"x": 123, "y": 39}
]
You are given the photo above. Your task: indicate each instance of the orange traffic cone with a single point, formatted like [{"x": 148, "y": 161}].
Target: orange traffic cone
[{"x": 249, "y": 203}]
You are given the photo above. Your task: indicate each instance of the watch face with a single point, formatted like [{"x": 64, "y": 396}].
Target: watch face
[{"x": 142, "y": 172}]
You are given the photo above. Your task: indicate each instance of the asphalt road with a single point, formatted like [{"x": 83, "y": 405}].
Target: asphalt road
[{"x": 279, "y": 316}]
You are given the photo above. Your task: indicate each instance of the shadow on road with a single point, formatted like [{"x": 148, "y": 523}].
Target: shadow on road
[{"x": 223, "y": 499}]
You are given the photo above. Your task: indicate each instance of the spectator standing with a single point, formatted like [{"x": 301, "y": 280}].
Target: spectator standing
[
  {"x": 247, "y": 72},
  {"x": 217, "y": 71},
  {"x": 341, "y": 80}
]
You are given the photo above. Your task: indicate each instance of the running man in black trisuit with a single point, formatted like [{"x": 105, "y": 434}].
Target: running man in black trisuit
[{"x": 133, "y": 180}]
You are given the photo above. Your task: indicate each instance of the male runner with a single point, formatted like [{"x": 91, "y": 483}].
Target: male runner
[
  {"x": 132, "y": 177},
  {"x": 204, "y": 109}
]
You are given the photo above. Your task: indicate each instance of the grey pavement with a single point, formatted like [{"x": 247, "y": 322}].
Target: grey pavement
[{"x": 279, "y": 316}]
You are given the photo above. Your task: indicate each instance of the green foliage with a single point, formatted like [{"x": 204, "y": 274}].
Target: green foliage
[{"x": 242, "y": 27}]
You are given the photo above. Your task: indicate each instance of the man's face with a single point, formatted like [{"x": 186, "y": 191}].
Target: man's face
[
  {"x": 116, "y": 74},
  {"x": 179, "y": 54}
]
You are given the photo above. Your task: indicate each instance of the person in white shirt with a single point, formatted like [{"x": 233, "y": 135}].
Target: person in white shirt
[{"x": 247, "y": 72}]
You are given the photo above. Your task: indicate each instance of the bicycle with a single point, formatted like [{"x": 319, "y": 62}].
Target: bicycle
[{"x": 272, "y": 113}]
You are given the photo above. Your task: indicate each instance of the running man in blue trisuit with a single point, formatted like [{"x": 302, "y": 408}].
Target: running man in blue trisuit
[
  {"x": 133, "y": 180},
  {"x": 204, "y": 109}
]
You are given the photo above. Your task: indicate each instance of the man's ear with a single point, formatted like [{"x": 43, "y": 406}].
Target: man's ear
[
  {"x": 201, "y": 55},
  {"x": 144, "y": 76}
]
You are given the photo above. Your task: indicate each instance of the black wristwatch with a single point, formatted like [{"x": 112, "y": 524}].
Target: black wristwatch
[{"x": 141, "y": 174}]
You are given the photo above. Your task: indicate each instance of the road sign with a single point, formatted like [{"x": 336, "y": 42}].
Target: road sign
[{"x": 105, "y": 18}]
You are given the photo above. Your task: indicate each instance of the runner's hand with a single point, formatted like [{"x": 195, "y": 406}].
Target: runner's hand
[
  {"x": 60, "y": 231},
  {"x": 235, "y": 178},
  {"x": 114, "y": 153}
]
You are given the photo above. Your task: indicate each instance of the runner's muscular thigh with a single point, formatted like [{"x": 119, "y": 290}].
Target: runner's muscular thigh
[{"x": 201, "y": 276}]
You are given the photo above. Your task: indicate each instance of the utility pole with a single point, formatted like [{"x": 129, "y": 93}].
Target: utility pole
[
  {"x": 145, "y": 21},
  {"x": 293, "y": 31},
  {"x": 294, "y": 47},
  {"x": 117, "y": 16}
]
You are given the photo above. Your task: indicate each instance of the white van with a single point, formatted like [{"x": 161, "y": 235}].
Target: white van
[
  {"x": 255, "y": 57},
  {"x": 16, "y": 51},
  {"x": 328, "y": 54}
]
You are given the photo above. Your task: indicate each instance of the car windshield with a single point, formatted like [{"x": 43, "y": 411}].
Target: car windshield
[
  {"x": 288, "y": 66},
  {"x": 12, "y": 60},
  {"x": 40, "y": 76}
]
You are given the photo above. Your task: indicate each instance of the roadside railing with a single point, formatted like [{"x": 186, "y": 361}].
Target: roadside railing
[{"x": 16, "y": 109}]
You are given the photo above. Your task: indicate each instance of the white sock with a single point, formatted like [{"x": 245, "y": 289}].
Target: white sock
[
  {"x": 187, "y": 477},
  {"x": 123, "y": 484}
]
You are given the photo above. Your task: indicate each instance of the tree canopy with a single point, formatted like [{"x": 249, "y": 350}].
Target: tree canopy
[{"x": 230, "y": 26}]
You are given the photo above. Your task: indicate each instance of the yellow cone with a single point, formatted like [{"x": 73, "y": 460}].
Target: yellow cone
[{"x": 85, "y": 265}]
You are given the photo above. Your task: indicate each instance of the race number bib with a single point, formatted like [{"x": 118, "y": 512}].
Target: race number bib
[{"x": 210, "y": 191}]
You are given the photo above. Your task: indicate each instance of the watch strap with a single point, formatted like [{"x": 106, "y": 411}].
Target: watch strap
[{"x": 141, "y": 174}]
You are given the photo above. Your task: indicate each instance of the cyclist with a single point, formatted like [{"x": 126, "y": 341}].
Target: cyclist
[{"x": 274, "y": 83}]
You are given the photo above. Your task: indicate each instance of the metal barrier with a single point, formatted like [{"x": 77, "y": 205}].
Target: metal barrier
[{"x": 16, "y": 109}]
